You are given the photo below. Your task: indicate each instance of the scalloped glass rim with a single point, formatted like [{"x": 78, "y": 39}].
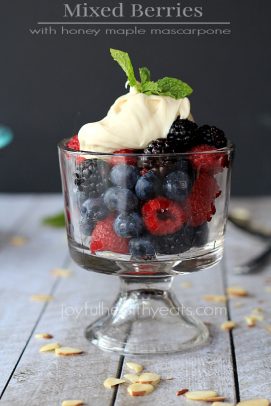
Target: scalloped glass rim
[{"x": 62, "y": 145}]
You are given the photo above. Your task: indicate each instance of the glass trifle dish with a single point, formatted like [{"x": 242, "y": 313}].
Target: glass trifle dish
[{"x": 146, "y": 195}]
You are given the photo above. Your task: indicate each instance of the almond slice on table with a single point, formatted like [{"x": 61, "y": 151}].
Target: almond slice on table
[
  {"x": 149, "y": 377},
  {"x": 68, "y": 351},
  {"x": 140, "y": 389},
  {"x": 222, "y": 403},
  {"x": 201, "y": 395},
  {"x": 43, "y": 336},
  {"x": 111, "y": 382},
  {"x": 134, "y": 367},
  {"x": 61, "y": 272},
  {"x": 228, "y": 325},
  {"x": 50, "y": 347},
  {"x": 186, "y": 285},
  {"x": 215, "y": 298},
  {"x": 236, "y": 291},
  {"x": 258, "y": 314},
  {"x": 131, "y": 378},
  {"x": 18, "y": 241},
  {"x": 250, "y": 321},
  {"x": 181, "y": 392},
  {"x": 41, "y": 298},
  {"x": 254, "y": 402},
  {"x": 72, "y": 403},
  {"x": 216, "y": 399}
]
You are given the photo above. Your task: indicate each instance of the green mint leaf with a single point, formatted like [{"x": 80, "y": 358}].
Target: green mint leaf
[
  {"x": 145, "y": 75},
  {"x": 150, "y": 88},
  {"x": 57, "y": 221},
  {"x": 123, "y": 59},
  {"x": 174, "y": 88}
]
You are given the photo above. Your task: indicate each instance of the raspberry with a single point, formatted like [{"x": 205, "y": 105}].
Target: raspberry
[
  {"x": 73, "y": 143},
  {"x": 129, "y": 160},
  {"x": 205, "y": 162},
  {"x": 163, "y": 216},
  {"x": 104, "y": 238},
  {"x": 199, "y": 206}
]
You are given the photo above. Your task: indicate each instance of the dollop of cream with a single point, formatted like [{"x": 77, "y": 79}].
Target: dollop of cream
[{"x": 133, "y": 121}]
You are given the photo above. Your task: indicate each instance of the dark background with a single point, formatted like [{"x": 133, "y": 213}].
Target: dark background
[{"x": 51, "y": 85}]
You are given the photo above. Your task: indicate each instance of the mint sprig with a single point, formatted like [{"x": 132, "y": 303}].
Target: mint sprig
[
  {"x": 145, "y": 75},
  {"x": 56, "y": 221},
  {"x": 125, "y": 63},
  {"x": 166, "y": 86}
]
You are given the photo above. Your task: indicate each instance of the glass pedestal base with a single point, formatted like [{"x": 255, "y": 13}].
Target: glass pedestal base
[{"x": 146, "y": 318}]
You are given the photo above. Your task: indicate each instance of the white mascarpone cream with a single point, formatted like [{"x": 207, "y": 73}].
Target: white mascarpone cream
[{"x": 133, "y": 121}]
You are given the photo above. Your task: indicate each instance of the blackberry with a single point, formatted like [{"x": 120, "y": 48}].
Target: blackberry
[
  {"x": 211, "y": 135},
  {"x": 92, "y": 177},
  {"x": 157, "y": 147},
  {"x": 182, "y": 134},
  {"x": 160, "y": 146}
]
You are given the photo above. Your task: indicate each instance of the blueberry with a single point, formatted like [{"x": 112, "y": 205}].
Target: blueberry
[
  {"x": 124, "y": 175},
  {"x": 177, "y": 185},
  {"x": 175, "y": 243},
  {"x": 120, "y": 199},
  {"x": 148, "y": 186},
  {"x": 142, "y": 248},
  {"x": 94, "y": 209},
  {"x": 200, "y": 235},
  {"x": 128, "y": 225}
]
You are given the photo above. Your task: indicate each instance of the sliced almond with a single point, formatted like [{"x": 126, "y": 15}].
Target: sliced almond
[
  {"x": 72, "y": 403},
  {"x": 49, "y": 347},
  {"x": 61, "y": 272},
  {"x": 200, "y": 395},
  {"x": 67, "y": 351},
  {"x": 258, "y": 310},
  {"x": 186, "y": 285},
  {"x": 18, "y": 241},
  {"x": 268, "y": 328},
  {"x": 181, "y": 392},
  {"x": 216, "y": 399},
  {"x": 237, "y": 305},
  {"x": 134, "y": 367},
  {"x": 258, "y": 314},
  {"x": 236, "y": 291},
  {"x": 215, "y": 298},
  {"x": 228, "y": 325},
  {"x": 222, "y": 403},
  {"x": 250, "y": 321},
  {"x": 111, "y": 382},
  {"x": 41, "y": 298},
  {"x": 43, "y": 336},
  {"x": 149, "y": 377},
  {"x": 131, "y": 378},
  {"x": 254, "y": 402},
  {"x": 140, "y": 389}
]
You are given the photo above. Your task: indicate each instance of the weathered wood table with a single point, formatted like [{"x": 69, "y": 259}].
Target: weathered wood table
[{"x": 237, "y": 364}]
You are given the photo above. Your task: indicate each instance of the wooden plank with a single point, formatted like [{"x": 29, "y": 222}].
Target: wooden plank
[
  {"x": 207, "y": 368},
  {"x": 252, "y": 345},
  {"x": 44, "y": 379},
  {"x": 25, "y": 271}
]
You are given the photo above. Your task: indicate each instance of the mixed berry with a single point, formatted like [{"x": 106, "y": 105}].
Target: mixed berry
[{"x": 156, "y": 202}]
